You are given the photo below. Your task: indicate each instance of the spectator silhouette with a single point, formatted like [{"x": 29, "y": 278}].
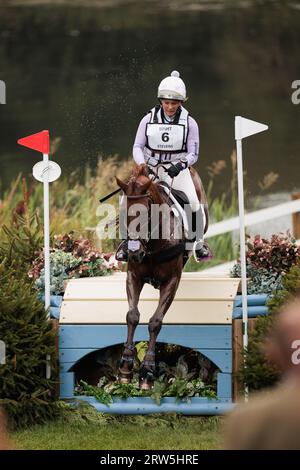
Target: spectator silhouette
[{"x": 271, "y": 419}]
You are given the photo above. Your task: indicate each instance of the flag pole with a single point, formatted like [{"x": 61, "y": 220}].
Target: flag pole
[
  {"x": 242, "y": 240},
  {"x": 47, "y": 250},
  {"x": 45, "y": 172},
  {"x": 46, "y": 235},
  {"x": 244, "y": 128}
]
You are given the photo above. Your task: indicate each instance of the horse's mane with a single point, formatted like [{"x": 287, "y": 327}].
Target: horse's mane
[{"x": 141, "y": 173}]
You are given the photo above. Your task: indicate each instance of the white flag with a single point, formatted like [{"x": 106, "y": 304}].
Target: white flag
[{"x": 245, "y": 127}]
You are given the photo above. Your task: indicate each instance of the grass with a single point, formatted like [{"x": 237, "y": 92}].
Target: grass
[{"x": 159, "y": 432}]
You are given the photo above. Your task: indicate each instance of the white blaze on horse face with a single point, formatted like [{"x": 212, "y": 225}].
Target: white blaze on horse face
[
  {"x": 138, "y": 224},
  {"x": 105, "y": 229},
  {"x": 134, "y": 245}
]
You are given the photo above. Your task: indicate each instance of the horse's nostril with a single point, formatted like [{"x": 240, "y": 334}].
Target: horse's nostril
[{"x": 137, "y": 256}]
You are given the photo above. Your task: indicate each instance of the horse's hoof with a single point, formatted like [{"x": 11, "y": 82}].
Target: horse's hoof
[
  {"x": 124, "y": 380},
  {"x": 146, "y": 385},
  {"x": 125, "y": 377}
]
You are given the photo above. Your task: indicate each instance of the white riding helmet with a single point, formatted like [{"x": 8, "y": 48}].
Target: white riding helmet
[{"x": 172, "y": 87}]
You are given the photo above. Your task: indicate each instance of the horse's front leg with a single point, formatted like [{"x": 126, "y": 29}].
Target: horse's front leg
[
  {"x": 147, "y": 369},
  {"x": 134, "y": 286}
]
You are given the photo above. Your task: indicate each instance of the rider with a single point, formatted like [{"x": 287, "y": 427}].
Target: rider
[{"x": 169, "y": 135}]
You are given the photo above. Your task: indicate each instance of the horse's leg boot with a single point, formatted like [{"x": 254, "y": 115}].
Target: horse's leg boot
[
  {"x": 122, "y": 251},
  {"x": 126, "y": 364},
  {"x": 147, "y": 372}
]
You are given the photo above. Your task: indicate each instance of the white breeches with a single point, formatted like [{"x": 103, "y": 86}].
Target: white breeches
[{"x": 183, "y": 182}]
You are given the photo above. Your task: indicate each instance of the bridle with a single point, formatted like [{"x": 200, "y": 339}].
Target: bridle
[{"x": 143, "y": 241}]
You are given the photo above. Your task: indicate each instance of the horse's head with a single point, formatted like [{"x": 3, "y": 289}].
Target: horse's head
[{"x": 138, "y": 199}]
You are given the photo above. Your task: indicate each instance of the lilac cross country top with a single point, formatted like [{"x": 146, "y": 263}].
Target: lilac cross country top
[{"x": 192, "y": 141}]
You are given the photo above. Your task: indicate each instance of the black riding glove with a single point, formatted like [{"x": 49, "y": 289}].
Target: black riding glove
[{"x": 174, "y": 170}]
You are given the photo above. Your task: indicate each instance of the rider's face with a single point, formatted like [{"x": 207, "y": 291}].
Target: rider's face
[{"x": 170, "y": 106}]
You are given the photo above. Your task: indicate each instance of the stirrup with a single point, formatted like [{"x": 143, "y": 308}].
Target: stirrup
[{"x": 196, "y": 249}]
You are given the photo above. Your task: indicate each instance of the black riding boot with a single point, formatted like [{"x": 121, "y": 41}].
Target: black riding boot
[
  {"x": 202, "y": 250},
  {"x": 122, "y": 251}
]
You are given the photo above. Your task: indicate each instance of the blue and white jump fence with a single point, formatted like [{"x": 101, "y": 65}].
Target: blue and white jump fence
[{"x": 92, "y": 317}]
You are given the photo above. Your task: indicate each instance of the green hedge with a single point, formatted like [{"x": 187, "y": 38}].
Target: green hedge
[
  {"x": 25, "y": 393},
  {"x": 257, "y": 373}
]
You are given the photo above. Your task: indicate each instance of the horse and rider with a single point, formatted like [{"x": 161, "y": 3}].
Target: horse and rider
[
  {"x": 167, "y": 141},
  {"x": 165, "y": 148}
]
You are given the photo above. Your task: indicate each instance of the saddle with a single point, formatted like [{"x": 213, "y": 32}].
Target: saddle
[
  {"x": 180, "y": 199},
  {"x": 180, "y": 196}
]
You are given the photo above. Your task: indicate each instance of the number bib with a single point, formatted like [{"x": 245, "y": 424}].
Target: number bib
[{"x": 165, "y": 137}]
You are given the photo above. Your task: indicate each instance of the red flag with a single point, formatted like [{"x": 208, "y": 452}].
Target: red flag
[{"x": 39, "y": 142}]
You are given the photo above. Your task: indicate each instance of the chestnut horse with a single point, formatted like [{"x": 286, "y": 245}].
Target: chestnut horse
[{"x": 157, "y": 261}]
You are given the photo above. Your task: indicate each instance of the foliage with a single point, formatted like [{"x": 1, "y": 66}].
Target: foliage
[
  {"x": 222, "y": 207},
  {"x": 25, "y": 393},
  {"x": 141, "y": 349},
  {"x": 290, "y": 289},
  {"x": 257, "y": 373},
  {"x": 20, "y": 242},
  {"x": 79, "y": 413},
  {"x": 277, "y": 255},
  {"x": 71, "y": 258},
  {"x": 267, "y": 261},
  {"x": 179, "y": 371},
  {"x": 74, "y": 199},
  {"x": 172, "y": 361},
  {"x": 180, "y": 388},
  {"x": 60, "y": 262},
  {"x": 98, "y": 392},
  {"x": 179, "y": 380},
  {"x": 272, "y": 268},
  {"x": 260, "y": 281}
]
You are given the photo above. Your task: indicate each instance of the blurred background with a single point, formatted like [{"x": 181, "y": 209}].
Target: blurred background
[{"x": 89, "y": 70}]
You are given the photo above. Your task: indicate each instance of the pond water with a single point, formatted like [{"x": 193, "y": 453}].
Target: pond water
[{"x": 89, "y": 74}]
